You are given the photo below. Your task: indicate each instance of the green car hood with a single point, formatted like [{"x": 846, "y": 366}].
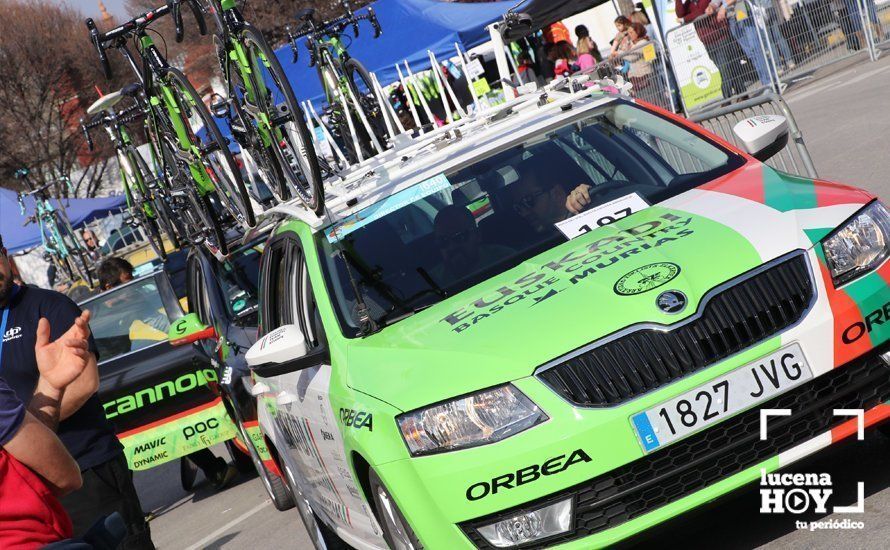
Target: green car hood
[{"x": 596, "y": 284}]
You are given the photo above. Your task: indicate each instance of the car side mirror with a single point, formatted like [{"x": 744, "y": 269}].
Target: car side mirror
[
  {"x": 282, "y": 351},
  {"x": 189, "y": 329},
  {"x": 762, "y": 136}
]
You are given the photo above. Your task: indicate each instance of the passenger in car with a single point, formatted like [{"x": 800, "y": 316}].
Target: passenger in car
[{"x": 462, "y": 250}]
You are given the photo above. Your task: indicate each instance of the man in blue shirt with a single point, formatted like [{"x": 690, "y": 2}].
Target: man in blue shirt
[{"x": 107, "y": 480}]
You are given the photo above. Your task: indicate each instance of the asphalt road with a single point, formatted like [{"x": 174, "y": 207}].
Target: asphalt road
[{"x": 845, "y": 118}]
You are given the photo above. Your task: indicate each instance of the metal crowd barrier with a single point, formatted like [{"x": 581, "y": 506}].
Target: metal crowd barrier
[
  {"x": 647, "y": 68},
  {"x": 807, "y": 36},
  {"x": 770, "y": 43},
  {"x": 721, "y": 118},
  {"x": 717, "y": 57}
]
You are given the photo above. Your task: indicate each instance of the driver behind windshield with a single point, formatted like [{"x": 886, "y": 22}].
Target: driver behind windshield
[
  {"x": 460, "y": 246},
  {"x": 541, "y": 201}
]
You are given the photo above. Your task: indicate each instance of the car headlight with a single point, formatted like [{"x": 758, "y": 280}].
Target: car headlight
[
  {"x": 860, "y": 245},
  {"x": 484, "y": 417}
]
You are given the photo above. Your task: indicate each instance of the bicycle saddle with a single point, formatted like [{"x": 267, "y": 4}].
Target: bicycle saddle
[
  {"x": 105, "y": 103},
  {"x": 305, "y": 14}
]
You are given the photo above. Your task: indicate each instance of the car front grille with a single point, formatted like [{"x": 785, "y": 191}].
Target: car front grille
[
  {"x": 716, "y": 453},
  {"x": 735, "y": 316}
]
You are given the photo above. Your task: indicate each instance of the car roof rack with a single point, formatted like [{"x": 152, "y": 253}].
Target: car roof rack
[{"x": 357, "y": 186}]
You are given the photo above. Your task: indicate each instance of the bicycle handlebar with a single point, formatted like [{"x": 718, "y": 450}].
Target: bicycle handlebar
[
  {"x": 95, "y": 38},
  {"x": 176, "y": 10},
  {"x": 125, "y": 116},
  {"x": 332, "y": 27},
  {"x": 100, "y": 40}
]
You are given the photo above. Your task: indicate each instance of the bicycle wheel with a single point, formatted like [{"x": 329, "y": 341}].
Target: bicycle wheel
[
  {"x": 64, "y": 264},
  {"x": 159, "y": 133},
  {"x": 163, "y": 215},
  {"x": 75, "y": 256},
  {"x": 249, "y": 138},
  {"x": 212, "y": 151},
  {"x": 294, "y": 149},
  {"x": 359, "y": 79},
  {"x": 143, "y": 209},
  {"x": 201, "y": 212}
]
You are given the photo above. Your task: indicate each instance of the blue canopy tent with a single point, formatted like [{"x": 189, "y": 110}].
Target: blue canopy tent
[
  {"x": 18, "y": 237},
  {"x": 410, "y": 28}
]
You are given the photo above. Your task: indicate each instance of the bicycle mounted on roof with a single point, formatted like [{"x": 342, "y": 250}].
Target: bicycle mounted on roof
[
  {"x": 353, "y": 111},
  {"x": 201, "y": 172},
  {"x": 149, "y": 207},
  {"x": 263, "y": 112},
  {"x": 57, "y": 237}
]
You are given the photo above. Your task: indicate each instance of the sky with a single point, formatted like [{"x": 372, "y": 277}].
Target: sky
[{"x": 90, "y": 8}]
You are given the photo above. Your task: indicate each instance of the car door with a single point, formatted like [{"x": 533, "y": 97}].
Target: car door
[
  {"x": 303, "y": 413},
  {"x": 199, "y": 303}
]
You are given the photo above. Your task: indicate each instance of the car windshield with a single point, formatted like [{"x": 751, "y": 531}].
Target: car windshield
[
  {"x": 127, "y": 319},
  {"x": 239, "y": 279},
  {"x": 446, "y": 234}
]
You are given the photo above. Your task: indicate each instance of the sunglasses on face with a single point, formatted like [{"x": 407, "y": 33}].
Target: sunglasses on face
[
  {"x": 527, "y": 202},
  {"x": 454, "y": 239}
]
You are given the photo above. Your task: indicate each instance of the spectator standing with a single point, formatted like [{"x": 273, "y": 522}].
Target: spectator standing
[
  {"x": 82, "y": 427},
  {"x": 717, "y": 40},
  {"x": 563, "y": 57},
  {"x": 621, "y": 42},
  {"x": 743, "y": 29},
  {"x": 526, "y": 68},
  {"x": 640, "y": 72},
  {"x": 92, "y": 244},
  {"x": 643, "y": 19},
  {"x": 588, "y": 53},
  {"x": 556, "y": 33}
]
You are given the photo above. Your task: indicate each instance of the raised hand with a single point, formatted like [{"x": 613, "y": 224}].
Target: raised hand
[{"x": 61, "y": 362}]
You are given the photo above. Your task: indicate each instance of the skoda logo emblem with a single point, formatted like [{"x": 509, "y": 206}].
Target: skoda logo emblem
[{"x": 671, "y": 301}]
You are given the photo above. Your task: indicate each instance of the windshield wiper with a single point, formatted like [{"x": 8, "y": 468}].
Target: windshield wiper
[{"x": 388, "y": 318}]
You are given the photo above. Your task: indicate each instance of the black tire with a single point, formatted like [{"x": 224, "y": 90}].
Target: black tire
[
  {"x": 154, "y": 236},
  {"x": 187, "y": 474},
  {"x": 65, "y": 265},
  {"x": 396, "y": 530},
  {"x": 277, "y": 489},
  {"x": 363, "y": 88},
  {"x": 230, "y": 188},
  {"x": 307, "y": 184},
  {"x": 76, "y": 262},
  {"x": 201, "y": 224},
  {"x": 240, "y": 459},
  {"x": 251, "y": 141},
  {"x": 142, "y": 198},
  {"x": 322, "y": 536},
  {"x": 158, "y": 202}
]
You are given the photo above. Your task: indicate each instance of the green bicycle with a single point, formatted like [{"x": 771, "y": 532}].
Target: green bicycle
[
  {"x": 148, "y": 207},
  {"x": 204, "y": 179},
  {"x": 262, "y": 110},
  {"x": 355, "y": 115},
  {"x": 57, "y": 237}
]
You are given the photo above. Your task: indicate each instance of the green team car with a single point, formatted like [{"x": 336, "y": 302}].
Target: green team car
[{"x": 556, "y": 325}]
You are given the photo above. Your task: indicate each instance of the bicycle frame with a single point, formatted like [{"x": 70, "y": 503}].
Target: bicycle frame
[
  {"x": 232, "y": 20},
  {"x": 46, "y": 216},
  {"x": 160, "y": 96}
]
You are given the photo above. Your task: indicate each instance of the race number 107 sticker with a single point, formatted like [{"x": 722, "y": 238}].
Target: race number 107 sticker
[{"x": 601, "y": 215}]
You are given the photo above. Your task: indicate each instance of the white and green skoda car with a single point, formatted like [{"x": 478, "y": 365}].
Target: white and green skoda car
[{"x": 557, "y": 326}]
